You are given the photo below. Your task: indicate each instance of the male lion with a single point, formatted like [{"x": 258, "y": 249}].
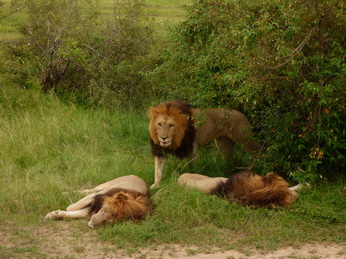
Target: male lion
[
  {"x": 123, "y": 198},
  {"x": 177, "y": 128},
  {"x": 247, "y": 188}
]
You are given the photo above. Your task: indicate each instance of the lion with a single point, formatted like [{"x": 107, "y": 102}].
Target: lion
[
  {"x": 121, "y": 199},
  {"x": 246, "y": 188},
  {"x": 178, "y": 129}
]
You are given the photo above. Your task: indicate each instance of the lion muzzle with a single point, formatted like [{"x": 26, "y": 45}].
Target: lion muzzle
[{"x": 164, "y": 142}]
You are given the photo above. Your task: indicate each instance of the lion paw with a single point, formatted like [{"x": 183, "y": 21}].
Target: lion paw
[
  {"x": 307, "y": 186},
  {"x": 57, "y": 214},
  {"x": 154, "y": 185},
  {"x": 90, "y": 224}
]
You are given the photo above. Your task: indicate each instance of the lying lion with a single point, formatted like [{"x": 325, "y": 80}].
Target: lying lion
[
  {"x": 124, "y": 198},
  {"x": 247, "y": 188},
  {"x": 178, "y": 129}
]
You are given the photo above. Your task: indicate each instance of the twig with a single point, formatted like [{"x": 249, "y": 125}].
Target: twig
[
  {"x": 12, "y": 12},
  {"x": 295, "y": 51}
]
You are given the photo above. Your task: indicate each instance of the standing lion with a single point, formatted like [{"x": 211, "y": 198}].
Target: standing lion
[{"x": 178, "y": 129}]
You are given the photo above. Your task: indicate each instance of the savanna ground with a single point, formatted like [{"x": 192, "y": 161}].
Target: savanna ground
[
  {"x": 49, "y": 148},
  {"x": 57, "y": 241}
]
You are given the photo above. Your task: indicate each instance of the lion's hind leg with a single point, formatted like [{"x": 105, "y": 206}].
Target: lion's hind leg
[
  {"x": 110, "y": 184},
  {"x": 225, "y": 146}
]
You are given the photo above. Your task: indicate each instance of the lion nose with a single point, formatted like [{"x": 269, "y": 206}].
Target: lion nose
[{"x": 164, "y": 138}]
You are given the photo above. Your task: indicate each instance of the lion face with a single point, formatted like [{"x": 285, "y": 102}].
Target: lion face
[
  {"x": 124, "y": 205},
  {"x": 165, "y": 130},
  {"x": 167, "y": 126}
]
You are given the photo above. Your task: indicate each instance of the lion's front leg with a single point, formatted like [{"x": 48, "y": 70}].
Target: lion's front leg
[
  {"x": 300, "y": 186},
  {"x": 60, "y": 214},
  {"x": 56, "y": 214},
  {"x": 296, "y": 189},
  {"x": 160, "y": 163}
]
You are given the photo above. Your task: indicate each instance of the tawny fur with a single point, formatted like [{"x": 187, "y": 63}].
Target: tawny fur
[
  {"x": 246, "y": 188},
  {"x": 128, "y": 205},
  {"x": 123, "y": 198},
  {"x": 178, "y": 129}
]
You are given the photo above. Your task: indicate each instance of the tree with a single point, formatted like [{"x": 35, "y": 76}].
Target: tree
[{"x": 83, "y": 55}]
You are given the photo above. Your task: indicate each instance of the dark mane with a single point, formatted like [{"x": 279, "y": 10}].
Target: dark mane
[
  {"x": 225, "y": 189},
  {"x": 186, "y": 147},
  {"x": 98, "y": 199},
  {"x": 251, "y": 189}
]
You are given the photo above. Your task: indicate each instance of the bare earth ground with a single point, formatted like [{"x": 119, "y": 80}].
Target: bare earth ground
[{"x": 63, "y": 241}]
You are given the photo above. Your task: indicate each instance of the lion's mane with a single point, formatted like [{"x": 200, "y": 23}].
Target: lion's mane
[
  {"x": 181, "y": 113},
  {"x": 249, "y": 188},
  {"x": 125, "y": 204}
]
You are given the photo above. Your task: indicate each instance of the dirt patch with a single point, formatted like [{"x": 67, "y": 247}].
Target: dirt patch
[
  {"x": 306, "y": 251},
  {"x": 329, "y": 251},
  {"x": 66, "y": 240}
]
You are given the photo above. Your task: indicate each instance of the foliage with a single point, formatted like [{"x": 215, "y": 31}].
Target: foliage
[
  {"x": 280, "y": 62},
  {"x": 83, "y": 55},
  {"x": 15, "y": 7}
]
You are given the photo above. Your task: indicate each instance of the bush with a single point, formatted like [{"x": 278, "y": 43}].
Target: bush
[
  {"x": 280, "y": 62},
  {"x": 83, "y": 54}
]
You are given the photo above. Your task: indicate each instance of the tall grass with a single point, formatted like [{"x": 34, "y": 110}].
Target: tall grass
[
  {"x": 164, "y": 10},
  {"x": 44, "y": 141}
]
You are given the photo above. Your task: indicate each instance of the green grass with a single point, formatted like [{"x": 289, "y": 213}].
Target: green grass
[
  {"x": 48, "y": 148},
  {"x": 167, "y": 10}
]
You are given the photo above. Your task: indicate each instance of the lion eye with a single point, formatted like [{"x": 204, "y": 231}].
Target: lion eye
[
  {"x": 171, "y": 126},
  {"x": 159, "y": 124}
]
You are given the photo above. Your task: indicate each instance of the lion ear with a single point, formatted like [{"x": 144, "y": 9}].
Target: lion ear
[
  {"x": 152, "y": 112},
  {"x": 121, "y": 196},
  {"x": 190, "y": 118}
]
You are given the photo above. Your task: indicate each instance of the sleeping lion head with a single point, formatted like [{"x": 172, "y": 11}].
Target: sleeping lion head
[
  {"x": 169, "y": 123},
  {"x": 119, "y": 205}
]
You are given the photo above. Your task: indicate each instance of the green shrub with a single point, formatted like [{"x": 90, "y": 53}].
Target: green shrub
[
  {"x": 280, "y": 62},
  {"x": 83, "y": 54}
]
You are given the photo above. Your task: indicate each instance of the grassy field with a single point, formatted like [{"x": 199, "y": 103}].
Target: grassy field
[{"x": 48, "y": 149}]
